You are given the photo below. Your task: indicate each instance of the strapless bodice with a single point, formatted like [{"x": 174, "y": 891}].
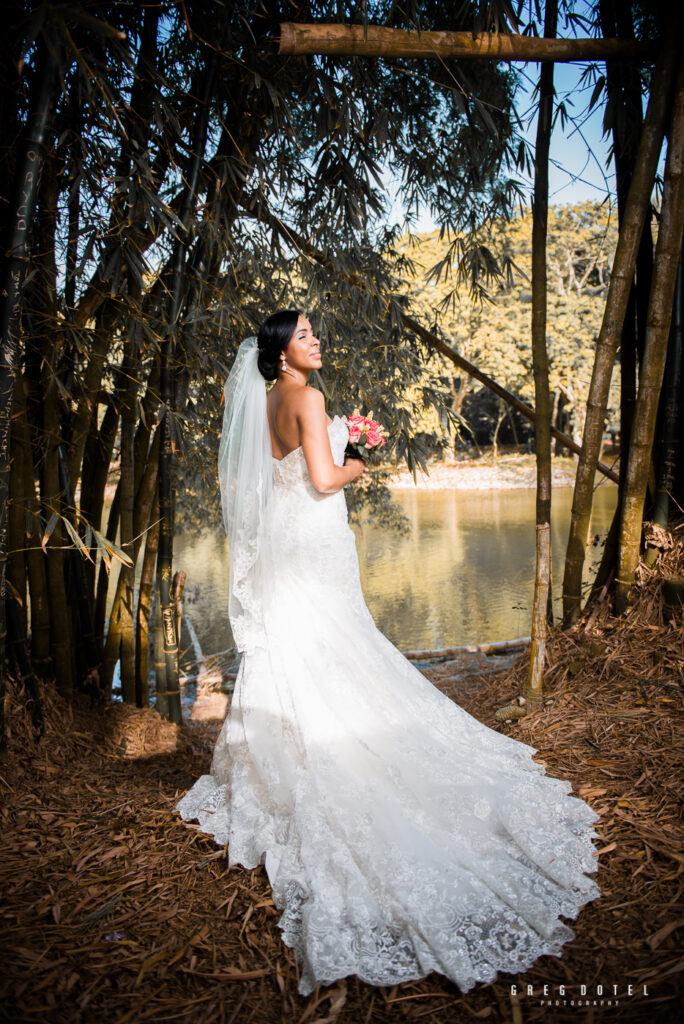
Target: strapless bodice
[{"x": 292, "y": 472}]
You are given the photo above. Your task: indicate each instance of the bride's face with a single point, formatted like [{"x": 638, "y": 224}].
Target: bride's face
[{"x": 303, "y": 351}]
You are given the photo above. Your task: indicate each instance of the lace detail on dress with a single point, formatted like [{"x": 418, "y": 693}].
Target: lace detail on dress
[{"x": 399, "y": 834}]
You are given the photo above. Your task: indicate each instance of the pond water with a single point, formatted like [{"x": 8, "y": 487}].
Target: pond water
[{"x": 463, "y": 575}]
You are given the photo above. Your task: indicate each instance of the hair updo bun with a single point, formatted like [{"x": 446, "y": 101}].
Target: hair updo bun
[{"x": 273, "y": 338}]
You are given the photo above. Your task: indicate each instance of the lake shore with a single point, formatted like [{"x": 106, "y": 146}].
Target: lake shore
[{"x": 485, "y": 473}]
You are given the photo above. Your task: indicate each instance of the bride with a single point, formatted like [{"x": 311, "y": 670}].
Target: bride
[{"x": 400, "y": 835}]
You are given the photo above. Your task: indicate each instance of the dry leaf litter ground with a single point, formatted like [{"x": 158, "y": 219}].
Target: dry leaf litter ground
[{"x": 113, "y": 910}]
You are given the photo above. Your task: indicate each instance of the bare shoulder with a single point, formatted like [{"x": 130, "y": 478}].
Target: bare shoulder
[
  {"x": 309, "y": 402},
  {"x": 312, "y": 397}
]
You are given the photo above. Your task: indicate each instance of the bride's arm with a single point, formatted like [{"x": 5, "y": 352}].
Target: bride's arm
[{"x": 313, "y": 430}]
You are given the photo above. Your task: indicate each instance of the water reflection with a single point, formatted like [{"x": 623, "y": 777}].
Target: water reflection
[{"x": 463, "y": 575}]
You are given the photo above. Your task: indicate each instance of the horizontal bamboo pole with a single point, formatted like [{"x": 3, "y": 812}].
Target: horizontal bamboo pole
[{"x": 378, "y": 41}]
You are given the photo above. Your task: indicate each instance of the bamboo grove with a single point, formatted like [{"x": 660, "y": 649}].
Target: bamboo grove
[{"x": 173, "y": 171}]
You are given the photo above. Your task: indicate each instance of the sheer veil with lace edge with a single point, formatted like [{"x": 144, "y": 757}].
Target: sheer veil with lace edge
[{"x": 245, "y": 472}]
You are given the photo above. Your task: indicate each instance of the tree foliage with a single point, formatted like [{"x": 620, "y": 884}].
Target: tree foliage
[{"x": 495, "y": 333}]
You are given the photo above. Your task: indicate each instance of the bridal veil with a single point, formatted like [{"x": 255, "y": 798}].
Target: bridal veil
[{"x": 245, "y": 472}]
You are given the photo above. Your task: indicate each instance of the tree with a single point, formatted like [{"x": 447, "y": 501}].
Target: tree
[
  {"x": 494, "y": 333},
  {"x": 540, "y": 208},
  {"x": 13, "y": 273},
  {"x": 631, "y": 229},
  {"x": 152, "y": 253}
]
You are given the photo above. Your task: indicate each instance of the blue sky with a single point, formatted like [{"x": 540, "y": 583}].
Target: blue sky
[{"x": 580, "y": 168}]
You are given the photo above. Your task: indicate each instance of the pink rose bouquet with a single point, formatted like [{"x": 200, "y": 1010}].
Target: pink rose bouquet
[{"x": 365, "y": 435}]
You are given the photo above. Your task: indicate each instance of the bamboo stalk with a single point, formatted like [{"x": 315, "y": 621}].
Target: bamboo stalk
[
  {"x": 97, "y": 458},
  {"x": 24, "y": 668},
  {"x": 638, "y": 203},
  {"x": 20, "y": 221},
  {"x": 16, "y": 555},
  {"x": 167, "y": 631},
  {"x": 41, "y": 657},
  {"x": 87, "y": 646},
  {"x": 177, "y": 586},
  {"x": 377, "y": 41},
  {"x": 670, "y": 446},
  {"x": 127, "y": 529},
  {"x": 532, "y": 690},
  {"x": 666, "y": 263},
  {"x": 96, "y": 461},
  {"x": 161, "y": 702},
  {"x": 142, "y": 688},
  {"x": 135, "y": 133},
  {"x": 87, "y": 403},
  {"x": 623, "y": 86},
  {"x": 103, "y": 574},
  {"x": 123, "y": 595},
  {"x": 60, "y": 625}
]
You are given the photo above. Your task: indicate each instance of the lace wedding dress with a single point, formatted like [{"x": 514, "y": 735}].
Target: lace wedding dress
[{"x": 400, "y": 835}]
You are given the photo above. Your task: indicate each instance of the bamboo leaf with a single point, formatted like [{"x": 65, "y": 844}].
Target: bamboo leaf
[
  {"x": 73, "y": 533},
  {"x": 114, "y": 549},
  {"x": 52, "y": 522},
  {"x": 596, "y": 94},
  {"x": 103, "y": 550}
]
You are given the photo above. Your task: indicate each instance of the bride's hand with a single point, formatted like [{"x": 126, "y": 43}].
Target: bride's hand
[{"x": 358, "y": 465}]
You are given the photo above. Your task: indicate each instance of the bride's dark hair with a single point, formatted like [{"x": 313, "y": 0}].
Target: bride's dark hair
[{"x": 273, "y": 338}]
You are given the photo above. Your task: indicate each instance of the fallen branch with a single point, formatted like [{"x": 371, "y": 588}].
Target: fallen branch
[{"x": 499, "y": 647}]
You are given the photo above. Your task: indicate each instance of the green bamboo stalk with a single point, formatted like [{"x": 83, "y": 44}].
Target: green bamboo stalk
[
  {"x": 666, "y": 263},
  {"x": 622, "y": 274}
]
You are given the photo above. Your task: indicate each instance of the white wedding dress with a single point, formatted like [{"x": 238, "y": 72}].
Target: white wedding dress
[{"x": 400, "y": 835}]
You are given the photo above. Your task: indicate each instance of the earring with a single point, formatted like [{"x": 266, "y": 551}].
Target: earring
[{"x": 284, "y": 364}]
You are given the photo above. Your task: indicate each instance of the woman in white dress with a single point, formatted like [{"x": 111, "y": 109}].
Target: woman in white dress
[{"x": 400, "y": 835}]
